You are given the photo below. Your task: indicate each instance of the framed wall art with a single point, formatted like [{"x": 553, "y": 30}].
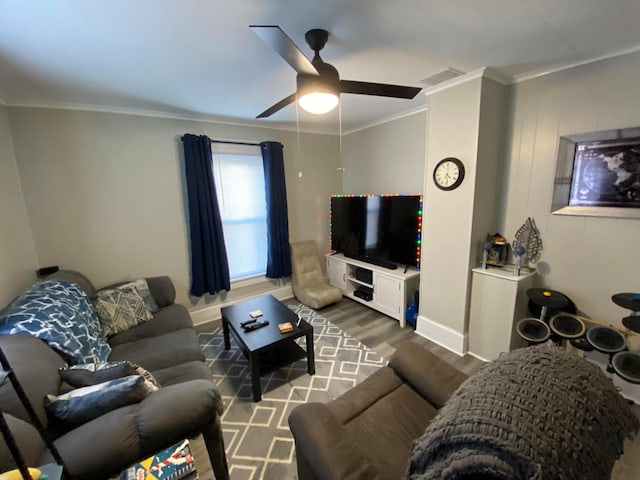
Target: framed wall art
[{"x": 598, "y": 174}]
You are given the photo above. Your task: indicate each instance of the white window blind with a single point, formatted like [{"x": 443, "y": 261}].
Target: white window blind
[{"x": 239, "y": 178}]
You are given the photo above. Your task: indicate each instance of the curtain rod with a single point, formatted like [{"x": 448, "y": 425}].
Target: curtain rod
[
  {"x": 235, "y": 143},
  {"x": 229, "y": 142}
]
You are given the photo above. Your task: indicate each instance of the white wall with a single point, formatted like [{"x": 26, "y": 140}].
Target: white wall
[
  {"x": 17, "y": 253},
  {"x": 453, "y": 129},
  {"x": 386, "y": 158},
  {"x": 589, "y": 259},
  {"x": 104, "y": 195},
  {"x": 105, "y": 192}
]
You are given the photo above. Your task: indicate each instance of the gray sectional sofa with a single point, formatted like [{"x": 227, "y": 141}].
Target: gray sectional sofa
[
  {"x": 368, "y": 431},
  {"x": 187, "y": 403},
  {"x": 535, "y": 413}
]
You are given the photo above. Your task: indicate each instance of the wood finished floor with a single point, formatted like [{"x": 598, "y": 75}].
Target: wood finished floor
[{"x": 383, "y": 335}]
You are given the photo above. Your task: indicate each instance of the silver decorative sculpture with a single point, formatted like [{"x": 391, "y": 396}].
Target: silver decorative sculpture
[{"x": 528, "y": 237}]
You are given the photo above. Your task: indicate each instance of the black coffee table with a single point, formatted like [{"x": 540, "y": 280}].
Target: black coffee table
[{"x": 267, "y": 348}]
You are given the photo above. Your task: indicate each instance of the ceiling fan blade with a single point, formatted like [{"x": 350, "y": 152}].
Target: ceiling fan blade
[
  {"x": 278, "y": 40},
  {"x": 379, "y": 89},
  {"x": 278, "y": 106}
]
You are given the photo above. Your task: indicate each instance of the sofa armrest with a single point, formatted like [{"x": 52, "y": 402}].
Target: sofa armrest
[
  {"x": 191, "y": 405},
  {"x": 28, "y": 440},
  {"x": 162, "y": 289},
  {"x": 131, "y": 433},
  {"x": 427, "y": 373},
  {"x": 324, "y": 449}
]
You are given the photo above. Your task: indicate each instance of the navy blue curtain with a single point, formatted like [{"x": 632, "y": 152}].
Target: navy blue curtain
[
  {"x": 209, "y": 265},
  {"x": 278, "y": 256}
]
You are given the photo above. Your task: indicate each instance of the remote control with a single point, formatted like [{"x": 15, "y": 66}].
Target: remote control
[
  {"x": 248, "y": 322},
  {"x": 255, "y": 326}
]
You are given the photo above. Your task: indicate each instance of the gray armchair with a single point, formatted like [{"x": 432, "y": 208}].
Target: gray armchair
[{"x": 309, "y": 284}]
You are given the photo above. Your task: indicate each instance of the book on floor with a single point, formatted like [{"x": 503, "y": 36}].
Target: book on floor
[{"x": 173, "y": 463}]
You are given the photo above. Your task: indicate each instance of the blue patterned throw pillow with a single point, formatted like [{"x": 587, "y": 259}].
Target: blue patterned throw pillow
[
  {"x": 59, "y": 313},
  {"x": 87, "y": 374},
  {"x": 84, "y": 404}
]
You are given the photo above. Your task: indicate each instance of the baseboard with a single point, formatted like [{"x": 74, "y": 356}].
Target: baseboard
[
  {"x": 444, "y": 336},
  {"x": 206, "y": 314},
  {"x": 469, "y": 352}
]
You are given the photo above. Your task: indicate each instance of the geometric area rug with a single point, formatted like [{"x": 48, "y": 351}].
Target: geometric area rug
[{"x": 258, "y": 442}]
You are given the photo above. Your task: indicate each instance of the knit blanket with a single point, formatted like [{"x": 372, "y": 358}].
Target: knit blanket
[{"x": 535, "y": 413}]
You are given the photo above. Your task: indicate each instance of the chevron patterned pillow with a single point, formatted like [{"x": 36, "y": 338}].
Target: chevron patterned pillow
[{"x": 120, "y": 309}]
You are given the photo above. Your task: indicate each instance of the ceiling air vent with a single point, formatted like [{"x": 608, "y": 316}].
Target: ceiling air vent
[{"x": 442, "y": 76}]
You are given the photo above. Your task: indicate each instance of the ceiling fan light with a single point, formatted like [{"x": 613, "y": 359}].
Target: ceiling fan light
[{"x": 318, "y": 102}]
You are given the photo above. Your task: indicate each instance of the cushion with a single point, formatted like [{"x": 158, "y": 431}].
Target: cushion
[
  {"x": 88, "y": 374},
  {"x": 59, "y": 313},
  {"x": 162, "y": 289},
  {"x": 156, "y": 353},
  {"x": 120, "y": 309},
  {"x": 427, "y": 373},
  {"x": 166, "y": 320},
  {"x": 182, "y": 373},
  {"x": 143, "y": 290},
  {"x": 76, "y": 277},
  {"x": 29, "y": 442},
  {"x": 83, "y": 404},
  {"x": 36, "y": 367}
]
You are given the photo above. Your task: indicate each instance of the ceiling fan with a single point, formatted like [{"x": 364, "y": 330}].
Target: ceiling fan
[{"x": 319, "y": 84}]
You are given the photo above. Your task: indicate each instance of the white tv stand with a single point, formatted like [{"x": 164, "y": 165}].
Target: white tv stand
[{"x": 391, "y": 290}]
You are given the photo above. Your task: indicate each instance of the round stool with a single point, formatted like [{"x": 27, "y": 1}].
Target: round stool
[
  {"x": 607, "y": 340},
  {"x": 533, "y": 330},
  {"x": 627, "y": 366},
  {"x": 548, "y": 301},
  {"x": 567, "y": 326}
]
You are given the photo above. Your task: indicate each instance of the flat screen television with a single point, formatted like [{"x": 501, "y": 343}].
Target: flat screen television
[{"x": 383, "y": 230}]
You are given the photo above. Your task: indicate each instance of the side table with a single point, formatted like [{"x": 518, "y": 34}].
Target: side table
[{"x": 498, "y": 301}]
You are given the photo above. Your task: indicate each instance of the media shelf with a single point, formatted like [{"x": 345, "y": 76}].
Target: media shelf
[{"x": 388, "y": 291}]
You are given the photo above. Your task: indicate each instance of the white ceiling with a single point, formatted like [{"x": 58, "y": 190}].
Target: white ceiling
[{"x": 198, "y": 58}]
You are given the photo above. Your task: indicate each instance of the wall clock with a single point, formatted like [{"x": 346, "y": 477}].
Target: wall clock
[{"x": 449, "y": 173}]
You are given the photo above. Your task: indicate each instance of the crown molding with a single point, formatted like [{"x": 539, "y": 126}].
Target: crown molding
[
  {"x": 388, "y": 119},
  {"x": 567, "y": 66},
  {"x": 500, "y": 77},
  {"x": 235, "y": 121},
  {"x": 497, "y": 76},
  {"x": 484, "y": 72}
]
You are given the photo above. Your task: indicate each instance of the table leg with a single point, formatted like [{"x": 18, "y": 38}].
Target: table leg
[
  {"x": 254, "y": 365},
  {"x": 311, "y": 364},
  {"x": 225, "y": 334}
]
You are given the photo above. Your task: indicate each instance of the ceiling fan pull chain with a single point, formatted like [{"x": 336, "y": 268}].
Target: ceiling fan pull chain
[
  {"x": 341, "y": 167},
  {"x": 298, "y": 137}
]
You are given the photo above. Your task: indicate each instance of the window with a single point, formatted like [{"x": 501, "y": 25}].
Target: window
[{"x": 239, "y": 178}]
